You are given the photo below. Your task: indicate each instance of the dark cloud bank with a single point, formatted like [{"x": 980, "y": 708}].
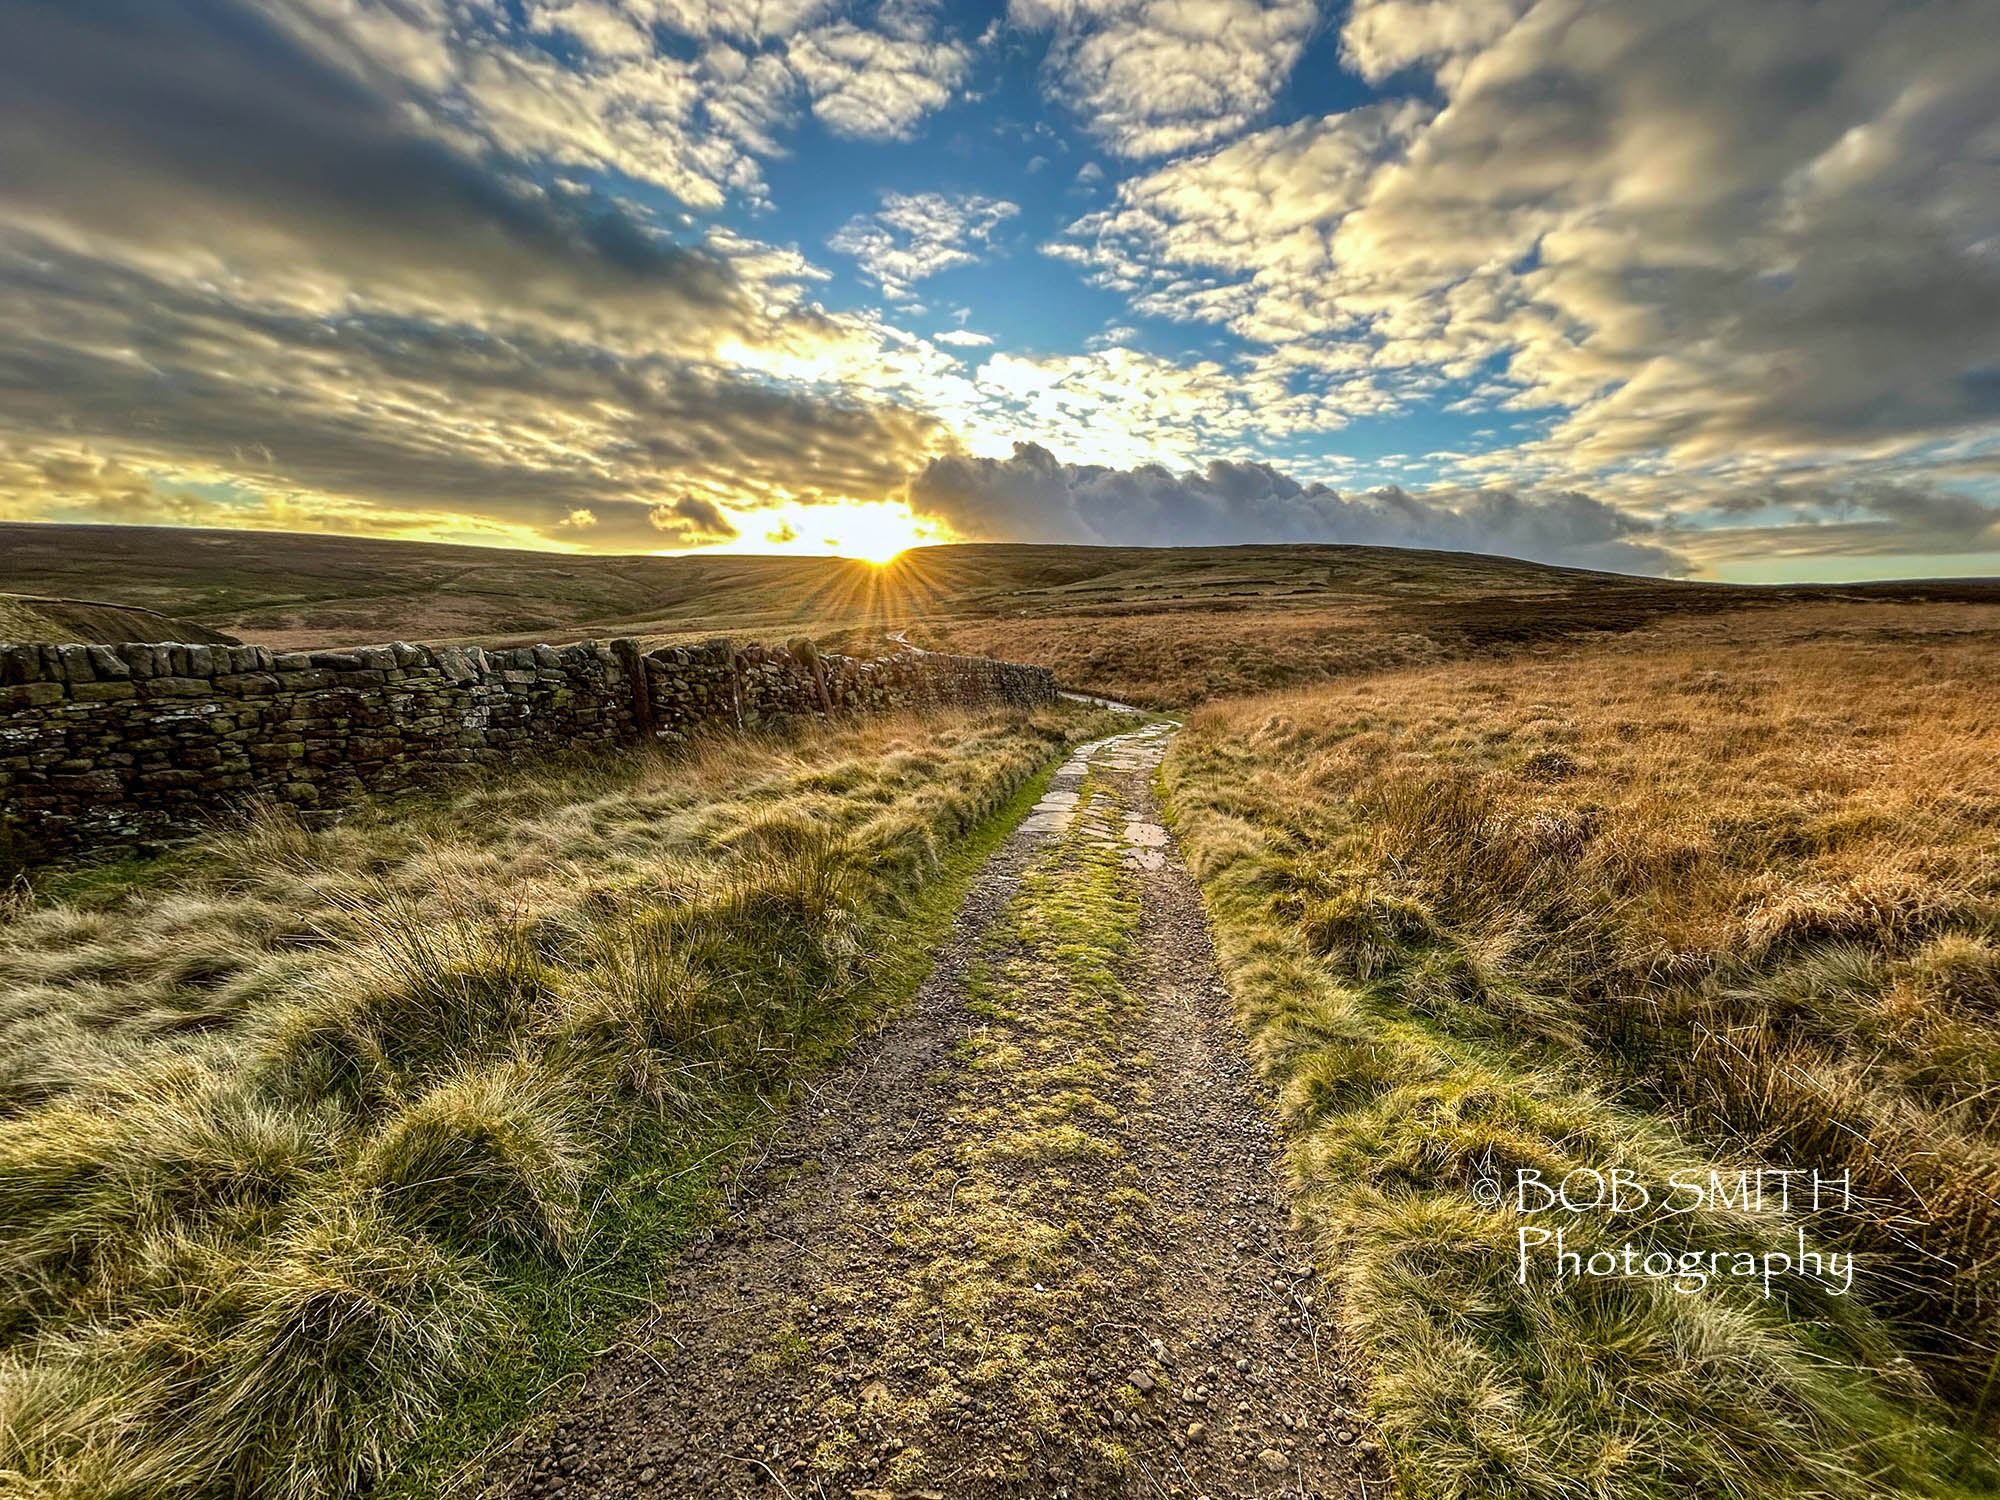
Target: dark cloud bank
[{"x": 1035, "y": 495}]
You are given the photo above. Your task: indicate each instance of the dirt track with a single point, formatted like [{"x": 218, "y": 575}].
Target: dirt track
[{"x": 1029, "y": 1242}]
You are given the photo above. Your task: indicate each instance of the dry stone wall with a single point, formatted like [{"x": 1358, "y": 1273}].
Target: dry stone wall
[{"x": 106, "y": 746}]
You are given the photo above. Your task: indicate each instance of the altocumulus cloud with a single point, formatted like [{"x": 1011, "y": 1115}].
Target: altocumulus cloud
[
  {"x": 1149, "y": 77},
  {"x": 1033, "y": 494},
  {"x": 916, "y": 235}
]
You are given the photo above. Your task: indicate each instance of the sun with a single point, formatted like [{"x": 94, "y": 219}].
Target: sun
[{"x": 876, "y": 531}]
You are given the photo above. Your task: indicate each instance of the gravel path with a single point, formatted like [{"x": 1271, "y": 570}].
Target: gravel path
[{"x": 1029, "y": 1241}]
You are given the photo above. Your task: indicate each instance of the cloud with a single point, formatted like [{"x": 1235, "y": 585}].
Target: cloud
[
  {"x": 1033, "y": 496},
  {"x": 688, "y": 97},
  {"x": 916, "y": 235},
  {"x": 1710, "y": 234},
  {"x": 1152, "y": 77},
  {"x": 586, "y": 86},
  {"x": 1828, "y": 518},
  {"x": 228, "y": 146},
  {"x": 523, "y": 427},
  {"x": 240, "y": 279},
  {"x": 1262, "y": 207},
  {"x": 604, "y": 29},
  {"x": 70, "y": 483},
  {"x": 740, "y": 20},
  {"x": 423, "y": 264},
  {"x": 1383, "y": 37},
  {"x": 1121, "y": 405},
  {"x": 874, "y": 85},
  {"x": 691, "y": 513}
]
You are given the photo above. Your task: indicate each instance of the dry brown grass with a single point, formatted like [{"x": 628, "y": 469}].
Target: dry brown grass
[
  {"x": 1182, "y": 657},
  {"x": 1179, "y": 653},
  {"x": 1747, "y": 870},
  {"x": 1713, "y": 893}
]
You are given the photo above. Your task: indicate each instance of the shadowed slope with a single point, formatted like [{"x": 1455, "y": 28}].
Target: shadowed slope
[{"x": 26, "y": 618}]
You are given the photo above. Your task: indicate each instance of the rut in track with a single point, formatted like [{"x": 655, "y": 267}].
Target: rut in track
[{"x": 1029, "y": 1242}]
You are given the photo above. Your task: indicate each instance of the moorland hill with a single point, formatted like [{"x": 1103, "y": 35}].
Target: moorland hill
[{"x": 1159, "y": 625}]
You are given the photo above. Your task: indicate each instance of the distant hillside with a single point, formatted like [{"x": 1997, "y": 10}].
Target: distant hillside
[
  {"x": 1160, "y": 625},
  {"x": 26, "y": 618},
  {"x": 289, "y": 589}
]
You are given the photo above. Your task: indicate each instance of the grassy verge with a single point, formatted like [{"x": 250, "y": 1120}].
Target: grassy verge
[
  {"x": 330, "y": 1125},
  {"x": 1418, "y": 916}
]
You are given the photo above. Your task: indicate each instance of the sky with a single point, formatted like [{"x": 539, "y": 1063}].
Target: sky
[{"x": 1663, "y": 286}]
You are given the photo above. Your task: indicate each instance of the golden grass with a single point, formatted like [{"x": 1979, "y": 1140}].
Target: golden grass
[
  {"x": 1181, "y": 657},
  {"x": 1724, "y": 892}
]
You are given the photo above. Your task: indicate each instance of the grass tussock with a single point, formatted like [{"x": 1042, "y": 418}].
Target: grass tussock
[
  {"x": 490, "y": 1155},
  {"x": 305, "y": 1134},
  {"x": 1657, "y": 909}
]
